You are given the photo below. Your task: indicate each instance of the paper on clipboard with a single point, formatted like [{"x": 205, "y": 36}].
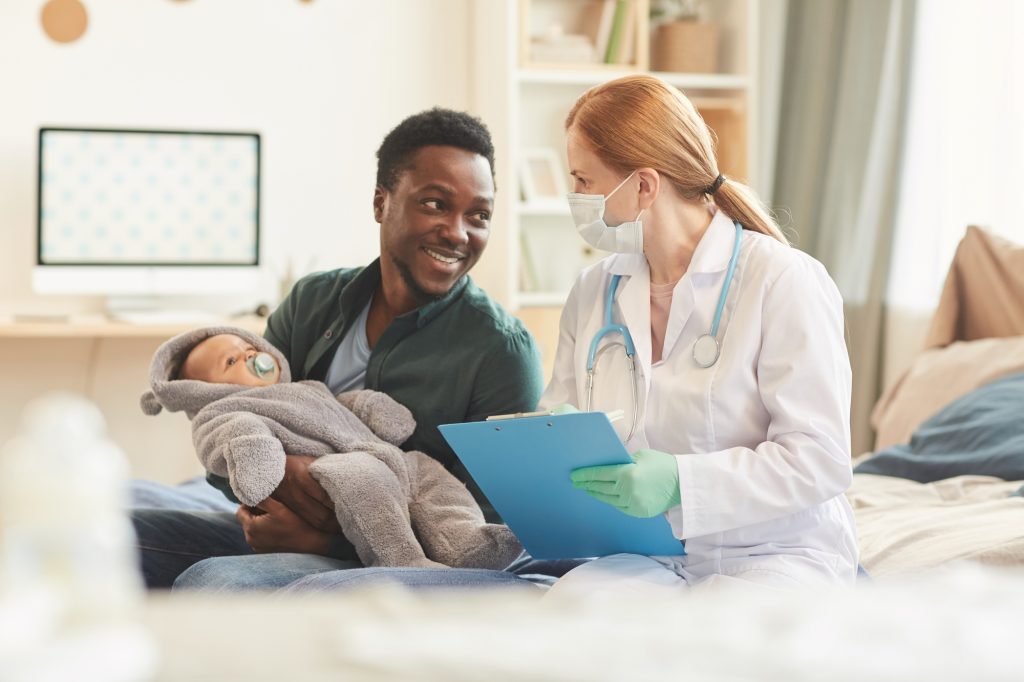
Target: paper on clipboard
[{"x": 523, "y": 466}]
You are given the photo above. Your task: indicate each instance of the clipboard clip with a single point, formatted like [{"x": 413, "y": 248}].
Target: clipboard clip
[
  {"x": 613, "y": 416},
  {"x": 518, "y": 415}
]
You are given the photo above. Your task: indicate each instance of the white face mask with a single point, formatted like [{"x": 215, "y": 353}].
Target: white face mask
[{"x": 588, "y": 214}]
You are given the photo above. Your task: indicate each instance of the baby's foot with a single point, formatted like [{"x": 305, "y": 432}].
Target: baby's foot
[{"x": 496, "y": 547}]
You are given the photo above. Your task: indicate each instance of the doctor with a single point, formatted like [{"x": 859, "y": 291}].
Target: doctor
[{"x": 737, "y": 403}]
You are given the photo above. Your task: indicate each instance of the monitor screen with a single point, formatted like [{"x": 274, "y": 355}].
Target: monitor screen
[{"x": 148, "y": 198}]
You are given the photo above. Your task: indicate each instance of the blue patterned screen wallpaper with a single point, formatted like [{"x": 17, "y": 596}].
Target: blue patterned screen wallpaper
[{"x": 150, "y": 198}]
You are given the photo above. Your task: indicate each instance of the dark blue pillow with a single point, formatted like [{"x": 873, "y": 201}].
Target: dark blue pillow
[{"x": 982, "y": 433}]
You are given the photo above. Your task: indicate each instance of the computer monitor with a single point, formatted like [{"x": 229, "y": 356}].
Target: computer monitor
[{"x": 141, "y": 214}]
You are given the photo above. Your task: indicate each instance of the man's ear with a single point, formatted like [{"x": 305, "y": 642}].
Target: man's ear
[{"x": 380, "y": 196}]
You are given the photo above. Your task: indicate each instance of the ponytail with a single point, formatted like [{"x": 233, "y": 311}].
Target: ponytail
[{"x": 741, "y": 204}]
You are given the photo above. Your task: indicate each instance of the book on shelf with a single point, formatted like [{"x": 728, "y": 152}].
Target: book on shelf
[
  {"x": 597, "y": 23},
  {"x": 626, "y": 46},
  {"x": 565, "y": 49},
  {"x": 528, "y": 280},
  {"x": 615, "y": 35}
]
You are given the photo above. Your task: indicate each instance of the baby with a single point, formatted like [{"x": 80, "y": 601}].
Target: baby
[{"x": 397, "y": 508}]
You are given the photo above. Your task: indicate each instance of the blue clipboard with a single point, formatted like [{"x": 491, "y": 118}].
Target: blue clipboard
[{"x": 523, "y": 466}]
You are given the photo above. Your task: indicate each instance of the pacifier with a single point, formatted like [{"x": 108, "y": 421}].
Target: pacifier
[{"x": 261, "y": 365}]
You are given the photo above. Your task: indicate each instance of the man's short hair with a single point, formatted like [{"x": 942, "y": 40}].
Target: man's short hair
[{"x": 435, "y": 126}]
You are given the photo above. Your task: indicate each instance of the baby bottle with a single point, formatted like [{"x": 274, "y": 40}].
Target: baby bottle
[{"x": 68, "y": 568}]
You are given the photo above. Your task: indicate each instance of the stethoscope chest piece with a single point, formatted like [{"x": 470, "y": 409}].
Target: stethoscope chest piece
[{"x": 705, "y": 351}]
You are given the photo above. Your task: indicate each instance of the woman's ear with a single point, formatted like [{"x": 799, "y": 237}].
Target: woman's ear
[{"x": 650, "y": 184}]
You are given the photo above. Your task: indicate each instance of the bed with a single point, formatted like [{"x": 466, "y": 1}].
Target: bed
[{"x": 946, "y": 479}]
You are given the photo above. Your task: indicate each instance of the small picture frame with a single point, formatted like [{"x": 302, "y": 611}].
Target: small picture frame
[{"x": 541, "y": 177}]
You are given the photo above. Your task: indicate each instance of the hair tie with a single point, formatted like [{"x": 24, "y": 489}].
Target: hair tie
[{"x": 715, "y": 185}]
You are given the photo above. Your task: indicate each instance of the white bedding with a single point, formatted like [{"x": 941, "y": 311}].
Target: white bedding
[{"x": 904, "y": 526}]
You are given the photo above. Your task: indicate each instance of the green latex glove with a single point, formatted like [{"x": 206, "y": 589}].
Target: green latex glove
[
  {"x": 564, "y": 408},
  {"x": 648, "y": 487}
]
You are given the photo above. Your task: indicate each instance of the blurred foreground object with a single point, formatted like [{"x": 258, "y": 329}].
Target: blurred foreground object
[{"x": 69, "y": 583}]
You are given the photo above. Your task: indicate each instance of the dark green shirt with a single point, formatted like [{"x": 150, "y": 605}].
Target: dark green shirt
[{"x": 460, "y": 358}]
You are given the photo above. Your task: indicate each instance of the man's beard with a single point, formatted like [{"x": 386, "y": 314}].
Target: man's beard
[{"x": 422, "y": 296}]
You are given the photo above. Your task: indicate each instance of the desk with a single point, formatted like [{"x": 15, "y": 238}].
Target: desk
[{"x": 101, "y": 327}]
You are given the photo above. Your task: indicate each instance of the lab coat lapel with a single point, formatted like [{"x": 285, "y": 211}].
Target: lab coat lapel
[
  {"x": 711, "y": 256},
  {"x": 679, "y": 314},
  {"x": 633, "y": 305}
]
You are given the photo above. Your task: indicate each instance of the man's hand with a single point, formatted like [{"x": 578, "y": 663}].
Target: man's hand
[
  {"x": 303, "y": 495},
  {"x": 273, "y": 527}
]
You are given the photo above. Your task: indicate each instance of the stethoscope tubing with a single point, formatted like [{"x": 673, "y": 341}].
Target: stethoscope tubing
[{"x": 610, "y": 327}]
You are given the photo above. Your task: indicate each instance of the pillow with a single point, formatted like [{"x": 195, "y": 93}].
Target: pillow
[
  {"x": 981, "y": 434},
  {"x": 981, "y": 296},
  {"x": 938, "y": 377}
]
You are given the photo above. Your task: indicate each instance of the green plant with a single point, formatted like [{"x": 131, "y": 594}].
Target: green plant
[{"x": 675, "y": 10}]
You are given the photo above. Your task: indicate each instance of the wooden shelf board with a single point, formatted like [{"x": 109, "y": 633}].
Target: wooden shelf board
[{"x": 599, "y": 73}]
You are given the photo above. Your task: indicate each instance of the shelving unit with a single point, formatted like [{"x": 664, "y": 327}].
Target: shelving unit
[{"x": 535, "y": 253}]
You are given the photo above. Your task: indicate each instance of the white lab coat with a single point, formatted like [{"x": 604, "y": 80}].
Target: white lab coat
[{"x": 761, "y": 438}]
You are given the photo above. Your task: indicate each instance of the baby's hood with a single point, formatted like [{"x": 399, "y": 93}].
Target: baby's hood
[{"x": 191, "y": 395}]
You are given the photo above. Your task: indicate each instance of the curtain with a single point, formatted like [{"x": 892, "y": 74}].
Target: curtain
[
  {"x": 837, "y": 160},
  {"x": 964, "y": 160}
]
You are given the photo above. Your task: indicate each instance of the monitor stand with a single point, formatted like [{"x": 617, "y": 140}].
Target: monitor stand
[{"x": 153, "y": 310}]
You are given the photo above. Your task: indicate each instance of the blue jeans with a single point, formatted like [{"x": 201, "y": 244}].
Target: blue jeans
[
  {"x": 308, "y": 573},
  {"x": 189, "y": 539},
  {"x": 177, "y": 526}
]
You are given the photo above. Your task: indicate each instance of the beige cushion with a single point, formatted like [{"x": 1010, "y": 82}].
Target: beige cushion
[
  {"x": 938, "y": 377},
  {"x": 982, "y": 295}
]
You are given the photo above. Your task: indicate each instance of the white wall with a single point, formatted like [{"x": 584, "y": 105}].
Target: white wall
[{"x": 323, "y": 83}]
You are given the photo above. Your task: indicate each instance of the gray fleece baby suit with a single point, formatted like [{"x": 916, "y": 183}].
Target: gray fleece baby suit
[{"x": 397, "y": 508}]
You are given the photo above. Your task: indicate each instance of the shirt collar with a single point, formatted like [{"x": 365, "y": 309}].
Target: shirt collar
[
  {"x": 716, "y": 246},
  {"x": 711, "y": 255},
  {"x": 358, "y": 292},
  {"x": 425, "y": 313}
]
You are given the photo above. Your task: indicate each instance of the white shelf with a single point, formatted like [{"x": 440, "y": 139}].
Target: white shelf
[
  {"x": 704, "y": 81},
  {"x": 535, "y": 299},
  {"x": 543, "y": 208},
  {"x": 592, "y": 76}
]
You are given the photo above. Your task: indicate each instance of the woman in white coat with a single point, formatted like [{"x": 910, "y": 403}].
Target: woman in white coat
[{"x": 741, "y": 439}]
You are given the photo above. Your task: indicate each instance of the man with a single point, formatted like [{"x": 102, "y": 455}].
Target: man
[{"x": 410, "y": 324}]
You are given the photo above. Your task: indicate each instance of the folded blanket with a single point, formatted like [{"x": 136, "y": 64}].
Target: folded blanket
[{"x": 980, "y": 434}]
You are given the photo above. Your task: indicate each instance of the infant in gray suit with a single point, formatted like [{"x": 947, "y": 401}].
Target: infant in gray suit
[{"x": 397, "y": 508}]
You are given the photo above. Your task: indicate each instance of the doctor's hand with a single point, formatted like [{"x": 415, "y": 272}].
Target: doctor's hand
[
  {"x": 564, "y": 408},
  {"x": 273, "y": 527},
  {"x": 647, "y": 487},
  {"x": 300, "y": 492}
]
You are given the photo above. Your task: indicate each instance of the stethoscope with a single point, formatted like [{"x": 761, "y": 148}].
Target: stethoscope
[{"x": 705, "y": 349}]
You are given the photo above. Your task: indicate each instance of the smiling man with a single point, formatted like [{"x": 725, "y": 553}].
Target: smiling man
[{"x": 411, "y": 324}]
